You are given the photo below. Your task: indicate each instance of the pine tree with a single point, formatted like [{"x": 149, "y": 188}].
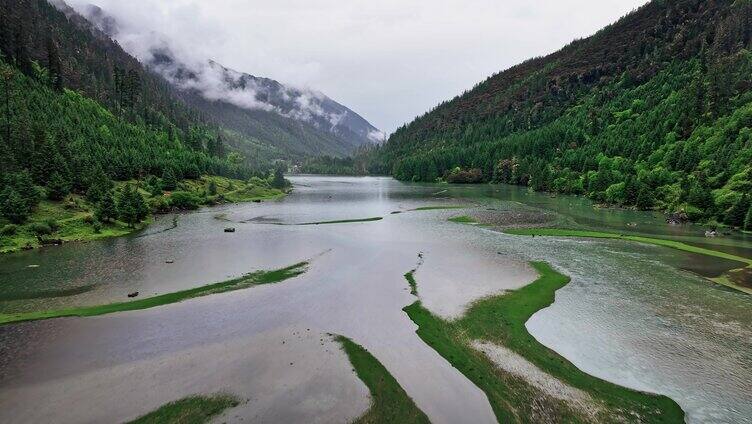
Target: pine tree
[
  {"x": 279, "y": 181},
  {"x": 748, "y": 220},
  {"x": 58, "y": 187},
  {"x": 54, "y": 65},
  {"x": 169, "y": 181},
  {"x": 737, "y": 214},
  {"x": 106, "y": 210},
  {"x": 24, "y": 185},
  {"x": 131, "y": 206},
  {"x": 12, "y": 206},
  {"x": 99, "y": 185}
]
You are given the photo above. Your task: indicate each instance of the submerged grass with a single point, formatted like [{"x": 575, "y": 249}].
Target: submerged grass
[
  {"x": 464, "y": 219},
  {"x": 438, "y": 208},
  {"x": 389, "y": 402},
  {"x": 560, "y": 232},
  {"x": 344, "y": 221},
  {"x": 248, "y": 280},
  {"x": 191, "y": 410},
  {"x": 501, "y": 320}
]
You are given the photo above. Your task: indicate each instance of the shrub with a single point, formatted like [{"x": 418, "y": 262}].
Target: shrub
[
  {"x": 461, "y": 176},
  {"x": 184, "y": 200},
  {"x": 41, "y": 229},
  {"x": 8, "y": 230},
  {"x": 54, "y": 226},
  {"x": 97, "y": 227}
]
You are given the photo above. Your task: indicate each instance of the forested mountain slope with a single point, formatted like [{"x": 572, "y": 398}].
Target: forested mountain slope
[
  {"x": 78, "y": 115},
  {"x": 297, "y": 121},
  {"x": 654, "y": 111}
]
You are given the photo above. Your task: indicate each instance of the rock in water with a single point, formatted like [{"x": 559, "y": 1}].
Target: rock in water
[
  {"x": 134, "y": 294},
  {"x": 230, "y": 230}
]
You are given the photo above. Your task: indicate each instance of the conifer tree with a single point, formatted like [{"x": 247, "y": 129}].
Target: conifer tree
[
  {"x": 58, "y": 187},
  {"x": 169, "y": 181},
  {"x": 12, "y": 206},
  {"x": 737, "y": 214},
  {"x": 106, "y": 209}
]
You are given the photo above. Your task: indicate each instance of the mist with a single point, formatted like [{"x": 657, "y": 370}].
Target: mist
[{"x": 389, "y": 60}]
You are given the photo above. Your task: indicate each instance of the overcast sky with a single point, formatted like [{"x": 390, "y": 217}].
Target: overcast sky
[{"x": 389, "y": 60}]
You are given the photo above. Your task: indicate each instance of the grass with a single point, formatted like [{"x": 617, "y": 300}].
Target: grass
[
  {"x": 410, "y": 277},
  {"x": 389, "y": 402},
  {"x": 344, "y": 221},
  {"x": 438, "y": 208},
  {"x": 248, "y": 280},
  {"x": 641, "y": 239},
  {"x": 74, "y": 214},
  {"x": 464, "y": 219},
  {"x": 501, "y": 320},
  {"x": 191, "y": 410}
]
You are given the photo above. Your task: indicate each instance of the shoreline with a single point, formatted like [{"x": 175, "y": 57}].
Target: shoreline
[{"x": 75, "y": 220}]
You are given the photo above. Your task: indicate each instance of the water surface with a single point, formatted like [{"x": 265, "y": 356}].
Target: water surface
[{"x": 631, "y": 314}]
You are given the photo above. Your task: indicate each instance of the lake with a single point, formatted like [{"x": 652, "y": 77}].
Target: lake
[{"x": 633, "y": 314}]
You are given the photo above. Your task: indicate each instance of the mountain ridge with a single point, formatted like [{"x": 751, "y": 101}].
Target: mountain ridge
[
  {"x": 652, "y": 111},
  {"x": 248, "y": 101}
]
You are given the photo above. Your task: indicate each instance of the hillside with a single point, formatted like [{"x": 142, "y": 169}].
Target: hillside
[
  {"x": 298, "y": 122},
  {"x": 653, "y": 111},
  {"x": 91, "y": 140}
]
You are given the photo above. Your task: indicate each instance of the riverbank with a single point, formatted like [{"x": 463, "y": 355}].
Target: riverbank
[
  {"x": 517, "y": 396},
  {"x": 248, "y": 280},
  {"x": 730, "y": 279},
  {"x": 73, "y": 218}
]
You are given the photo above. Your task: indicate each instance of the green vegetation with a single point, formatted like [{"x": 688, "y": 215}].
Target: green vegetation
[
  {"x": 190, "y": 410},
  {"x": 437, "y": 208},
  {"x": 501, "y": 320},
  {"x": 389, "y": 402},
  {"x": 618, "y": 117},
  {"x": 344, "y": 221},
  {"x": 641, "y": 239},
  {"x": 464, "y": 219},
  {"x": 122, "y": 207},
  {"x": 410, "y": 277},
  {"x": 248, "y": 280},
  {"x": 95, "y": 142}
]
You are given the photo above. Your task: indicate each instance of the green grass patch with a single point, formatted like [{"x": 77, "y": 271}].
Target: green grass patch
[
  {"x": 248, "y": 280},
  {"x": 559, "y": 232},
  {"x": 464, "y": 219},
  {"x": 389, "y": 401},
  {"x": 190, "y": 410},
  {"x": 410, "y": 277},
  {"x": 501, "y": 320},
  {"x": 344, "y": 221},
  {"x": 438, "y": 208}
]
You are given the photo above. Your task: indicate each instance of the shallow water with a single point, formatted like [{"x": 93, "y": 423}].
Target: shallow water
[{"x": 629, "y": 315}]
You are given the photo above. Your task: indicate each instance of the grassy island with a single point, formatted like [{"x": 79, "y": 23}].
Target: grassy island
[
  {"x": 389, "y": 402},
  {"x": 248, "y": 280},
  {"x": 191, "y": 410},
  {"x": 500, "y": 320}
]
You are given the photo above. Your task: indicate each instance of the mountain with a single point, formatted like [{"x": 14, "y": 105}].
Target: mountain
[
  {"x": 301, "y": 122},
  {"x": 653, "y": 111}
]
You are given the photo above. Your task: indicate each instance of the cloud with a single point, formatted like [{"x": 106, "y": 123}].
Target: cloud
[
  {"x": 390, "y": 60},
  {"x": 190, "y": 71}
]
